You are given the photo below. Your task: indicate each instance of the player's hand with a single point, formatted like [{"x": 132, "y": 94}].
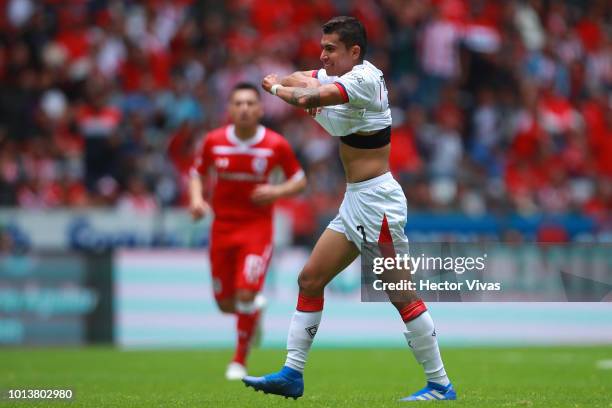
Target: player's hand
[
  {"x": 268, "y": 81},
  {"x": 265, "y": 194},
  {"x": 199, "y": 209}
]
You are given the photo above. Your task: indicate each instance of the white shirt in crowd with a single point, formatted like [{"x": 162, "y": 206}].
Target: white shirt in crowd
[{"x": 440, "y": 54}]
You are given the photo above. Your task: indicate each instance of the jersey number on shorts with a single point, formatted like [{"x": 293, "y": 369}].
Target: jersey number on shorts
[
  {"x": 254, "y": 268},
  {"x": 362, "y": 230}
]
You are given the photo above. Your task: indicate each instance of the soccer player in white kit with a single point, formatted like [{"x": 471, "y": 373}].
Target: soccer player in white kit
[{"x": 348, "y": 98}]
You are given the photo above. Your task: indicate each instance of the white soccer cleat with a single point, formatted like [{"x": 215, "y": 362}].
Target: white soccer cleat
[{"x": 235, "y": 371}]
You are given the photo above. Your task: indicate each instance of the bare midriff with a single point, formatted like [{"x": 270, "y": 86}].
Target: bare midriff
[{"x": 364, "y": 164}]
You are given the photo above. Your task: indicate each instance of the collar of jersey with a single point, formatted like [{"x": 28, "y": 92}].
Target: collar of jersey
[{"x": 258, "y": 137}]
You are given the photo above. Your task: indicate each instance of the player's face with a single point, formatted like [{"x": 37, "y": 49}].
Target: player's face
[
  {"x": 245, "y": 108},
  {"x": 337, "y": 59}
]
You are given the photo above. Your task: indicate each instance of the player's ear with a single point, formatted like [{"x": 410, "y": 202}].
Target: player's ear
[{"x": 355, "y": 52}]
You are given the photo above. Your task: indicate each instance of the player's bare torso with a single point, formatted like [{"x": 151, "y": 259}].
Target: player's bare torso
[{"x": 364, "y": 164}]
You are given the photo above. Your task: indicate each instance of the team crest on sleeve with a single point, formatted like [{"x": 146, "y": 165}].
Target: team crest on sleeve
[{"x": 259, "y": 164}]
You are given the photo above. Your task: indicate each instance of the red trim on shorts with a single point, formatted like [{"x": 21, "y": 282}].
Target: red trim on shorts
[
  {"x": 385, "y": 232},
  {"x": 309, "y": 304},
  {"x": 413, "y": 310},
  {"x": 342, "y": 90},
  {"x": 315, "y": 73},
  {"x": 385, "y": 240}
]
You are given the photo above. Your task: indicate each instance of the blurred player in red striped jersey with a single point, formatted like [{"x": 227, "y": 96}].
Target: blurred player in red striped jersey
[{"x": 242, "y": 156}]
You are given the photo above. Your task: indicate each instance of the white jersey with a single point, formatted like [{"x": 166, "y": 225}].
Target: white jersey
[{"x": 367, "y": 106}]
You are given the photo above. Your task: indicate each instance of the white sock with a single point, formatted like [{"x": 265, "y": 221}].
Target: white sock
[
  {"x": 302, "y": 330},
  {"x": 422, "y": 340}
]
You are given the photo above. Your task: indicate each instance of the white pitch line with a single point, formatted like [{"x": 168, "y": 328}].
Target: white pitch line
[{"x": 604, "y": 364}]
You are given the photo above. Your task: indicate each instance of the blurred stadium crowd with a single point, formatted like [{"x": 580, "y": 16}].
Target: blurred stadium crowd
[{"x": 498, "y": 106}]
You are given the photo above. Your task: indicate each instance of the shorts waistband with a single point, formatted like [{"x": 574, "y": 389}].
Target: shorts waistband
[{"x": 367, "y": 184}]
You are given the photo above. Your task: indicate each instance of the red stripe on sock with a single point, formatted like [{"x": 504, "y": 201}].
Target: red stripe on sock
[
  {"x": 309, "y": 304},
  {"x": 413, "y": 310}
]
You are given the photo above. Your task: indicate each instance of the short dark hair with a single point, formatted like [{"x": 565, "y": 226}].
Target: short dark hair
[
  {"x": 350, "y": 32},
  {"x": 245, "y": 85}
]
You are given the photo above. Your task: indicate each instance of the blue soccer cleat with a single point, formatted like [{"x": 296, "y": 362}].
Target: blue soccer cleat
[
  {"x": 433, "y": 392},
  {"x": 287, "y": 383}
]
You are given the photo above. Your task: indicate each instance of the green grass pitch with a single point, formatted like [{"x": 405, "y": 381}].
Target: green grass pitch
[{"x": 484, "y": 377}]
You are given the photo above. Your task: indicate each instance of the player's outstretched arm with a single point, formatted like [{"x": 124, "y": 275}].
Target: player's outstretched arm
[
  {"x": 198, "y": 207},
  {"x": 300, "y": 79},
  {"x": 306, "y": 98}
]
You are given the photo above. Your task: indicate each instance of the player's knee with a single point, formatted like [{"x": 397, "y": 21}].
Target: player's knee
[
  {"x": 245, "y": 296},
  {"x": 226, "y": 305},
  {"x": 227, "y": 309},
  {"x": 310, "y": 283}
]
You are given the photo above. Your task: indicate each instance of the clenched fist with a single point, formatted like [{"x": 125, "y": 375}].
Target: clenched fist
[
  {"x": 268, "y": 81},
  {"x": 265, "y": 194},
  {"x": 198, "y": 209}
]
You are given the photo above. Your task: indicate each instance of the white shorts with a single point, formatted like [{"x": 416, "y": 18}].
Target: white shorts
[{"x": 365, "y": 206}]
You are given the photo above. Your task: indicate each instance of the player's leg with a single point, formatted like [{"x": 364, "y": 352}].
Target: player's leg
[
  {"x": 249, "y": 304},
  {"x": 223, "y": 262},
  {"x": 423, "y": 342},
  {"x": 227, "y": 305},
  {"x": 247, "y": 318},
  {"x": 222, "y": 268},
  {"x": 246, "y": 297},
  {"x": 332, "y": 254},
  {"x": 420, "y": 333},
  {"x": 253, "y": 261}
]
